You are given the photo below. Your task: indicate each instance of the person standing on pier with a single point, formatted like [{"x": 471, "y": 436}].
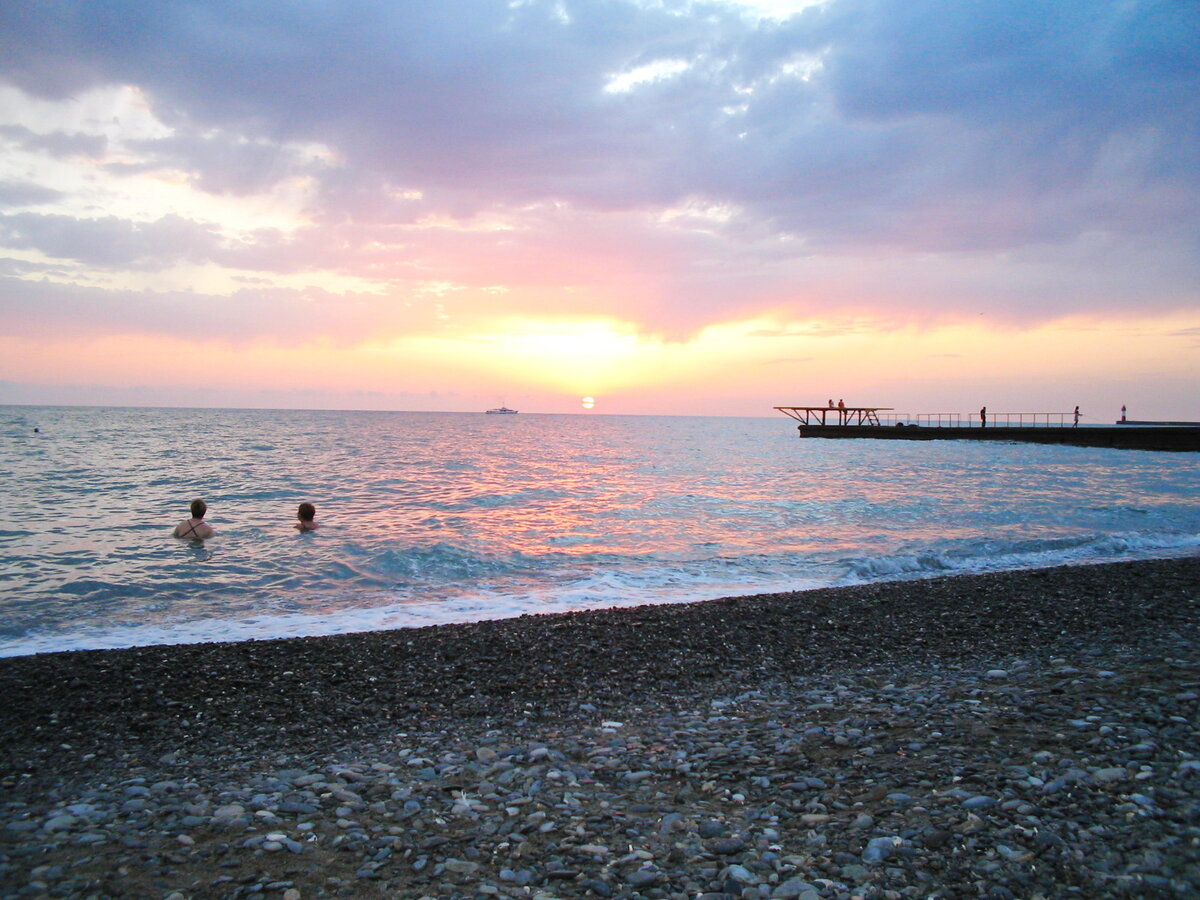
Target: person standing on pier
[
  {"x": 1076, "y": 425},
  {"x": 841, "y": 412},
  {"x": 983, "y": 417}
]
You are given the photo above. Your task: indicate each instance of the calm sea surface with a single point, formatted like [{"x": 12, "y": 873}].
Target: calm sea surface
[{"x": 449, "y": 517}]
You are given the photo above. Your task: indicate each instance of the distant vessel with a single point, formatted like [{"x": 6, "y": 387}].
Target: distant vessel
[{"x": 502, "y": 411}]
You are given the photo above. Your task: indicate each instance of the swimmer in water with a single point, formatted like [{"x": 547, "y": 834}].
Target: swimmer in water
[
  {"x": 307, "y": 515},
  {"x": 195, "y": 528}
]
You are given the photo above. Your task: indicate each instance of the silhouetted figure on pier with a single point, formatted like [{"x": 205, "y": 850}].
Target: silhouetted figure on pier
[
  {"x": 842, "y": 412},
  {"x": 1076, "y": 425},
  {"x": 983, "y": 417}
]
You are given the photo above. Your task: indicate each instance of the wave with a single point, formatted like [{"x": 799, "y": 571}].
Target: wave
[
  {"x": 1021, "y": 554},
  {"x": 610, "y": 584},
  {"x": 465, "y": 498},
  {"x": 439, "y": 563}
]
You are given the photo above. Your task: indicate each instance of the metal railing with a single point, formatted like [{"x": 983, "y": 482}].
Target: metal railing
[
  {"x": 834, "y": 415},
  {"x": 994, "y": 420}
]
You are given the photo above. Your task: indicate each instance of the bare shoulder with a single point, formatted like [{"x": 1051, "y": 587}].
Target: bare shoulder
[{"x": 196, "y": 531}]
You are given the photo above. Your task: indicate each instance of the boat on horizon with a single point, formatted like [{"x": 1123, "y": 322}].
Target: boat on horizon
[{"x": 502, "y": 411}]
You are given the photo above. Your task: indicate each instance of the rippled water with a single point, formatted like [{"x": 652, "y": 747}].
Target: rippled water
[{"x": 430, "y": 517}]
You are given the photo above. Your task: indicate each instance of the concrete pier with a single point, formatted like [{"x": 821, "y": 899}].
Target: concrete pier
[
  {"x": 1127, "y": 437},
  {"x": 1029, "y": 428}
]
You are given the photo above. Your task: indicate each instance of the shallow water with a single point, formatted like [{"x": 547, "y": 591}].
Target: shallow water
[{"x": 438, "y": 517}]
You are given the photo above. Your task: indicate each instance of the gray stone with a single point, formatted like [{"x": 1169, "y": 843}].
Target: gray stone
[
  {"x": 795, "y": 889},
  {"x": 978, "y": 802},
  {"x": 739, "y": 873},
  {"x": 711, "y": 829},
  {"x": 644, "y": 877},
  {"x": 880, "y": 848},
  {"x": 728, "y": 846}
]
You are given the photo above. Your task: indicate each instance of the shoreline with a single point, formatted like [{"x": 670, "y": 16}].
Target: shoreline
[
  {"x": 412, "y": 736},
  {"x": 432, "y": 669},
  {"x": 234, "y": 631},
  {"x": 231, "y": 631}
]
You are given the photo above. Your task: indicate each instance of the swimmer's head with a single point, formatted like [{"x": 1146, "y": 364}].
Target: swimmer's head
[
  {"x": 307, "y": 512},
  {"x": 199, "y": 508}
]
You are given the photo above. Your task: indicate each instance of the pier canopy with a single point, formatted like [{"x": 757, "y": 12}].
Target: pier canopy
[{"x": 835, "y": 415}]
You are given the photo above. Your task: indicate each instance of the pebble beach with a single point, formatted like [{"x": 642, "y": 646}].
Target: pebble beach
[{"x": 1031, "y": 734}]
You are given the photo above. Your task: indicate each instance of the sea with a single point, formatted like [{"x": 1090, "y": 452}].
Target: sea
[{"x": 431, "y": 518}]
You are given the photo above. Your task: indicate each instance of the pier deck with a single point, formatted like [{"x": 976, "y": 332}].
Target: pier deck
[{"x": 1036, "y": 428}]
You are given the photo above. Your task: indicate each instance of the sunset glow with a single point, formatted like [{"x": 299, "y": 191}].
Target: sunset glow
[{"x": 799, "y": 198}]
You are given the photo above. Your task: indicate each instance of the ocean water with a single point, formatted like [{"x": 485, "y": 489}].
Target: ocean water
[{"x": 448, "y": 517}]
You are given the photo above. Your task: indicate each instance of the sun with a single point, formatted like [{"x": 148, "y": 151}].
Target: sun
[{"x": 588, "y": 402}]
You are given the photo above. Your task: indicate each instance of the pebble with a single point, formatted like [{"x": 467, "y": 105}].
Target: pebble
[
  {"x": 978, "y": 802},
  {"x": 644, "y": 877},
  {"x": 728, "y": 846},
  {"x": 880, "y": 848},
  {"x": 795, "y": 889},
  {"x": 60, "y": 823}
]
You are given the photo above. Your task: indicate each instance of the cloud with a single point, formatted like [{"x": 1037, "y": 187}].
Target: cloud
[
  {"x": 819, "y": 331},
  {"x": 1192, "y": 335},
  {"x": 220, "y": 163},
  {"x": 110, "y": 242},
  {"x": 18, "y": 193},
  {"x": 54, "y": 143},
  {"x": 675, "y": 164},
  {"x": 280, "y": 316}
]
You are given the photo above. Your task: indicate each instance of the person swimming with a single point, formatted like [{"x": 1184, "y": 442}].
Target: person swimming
[
  {"x": 195, "y": 528},
  {"x": 307, "y": 514}
]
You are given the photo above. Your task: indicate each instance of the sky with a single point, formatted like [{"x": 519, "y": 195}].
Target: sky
[{"x": 699, "y": 208}]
